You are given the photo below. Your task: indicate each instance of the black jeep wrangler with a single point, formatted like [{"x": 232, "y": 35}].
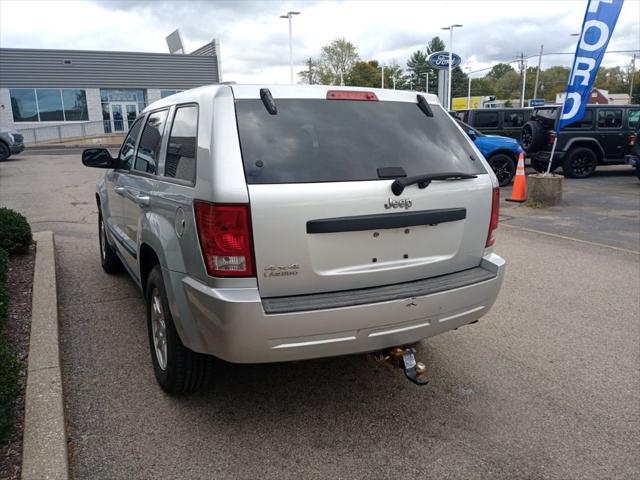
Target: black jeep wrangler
[{"x": 600, "y": 138}]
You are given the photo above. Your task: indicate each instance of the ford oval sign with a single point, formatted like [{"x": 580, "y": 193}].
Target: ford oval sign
[{"x": 441, "y": 60}]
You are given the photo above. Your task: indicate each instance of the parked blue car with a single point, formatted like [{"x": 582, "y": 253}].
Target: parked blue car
[{"x": 501, "y": 152}]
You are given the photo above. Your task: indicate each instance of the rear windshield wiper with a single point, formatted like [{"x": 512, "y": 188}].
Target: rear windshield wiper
[{"x": 423, "y": 181}]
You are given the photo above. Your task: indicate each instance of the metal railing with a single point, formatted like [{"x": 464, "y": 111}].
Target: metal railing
[{"x": 64, "y": 132}]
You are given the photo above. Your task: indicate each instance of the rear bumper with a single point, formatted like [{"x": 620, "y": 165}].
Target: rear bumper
[
  {"x": 632, "y": 160},
  {"x": 232, "y": 323},
  {"x": 543, "y": 157}
]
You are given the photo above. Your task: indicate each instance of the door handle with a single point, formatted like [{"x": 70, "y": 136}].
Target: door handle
[
  {"x": 142, "y": 200},
  {"x": 120, "y": 190}
]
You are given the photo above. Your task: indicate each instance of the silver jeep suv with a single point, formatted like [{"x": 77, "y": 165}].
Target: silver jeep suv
[{"x": 277, "y": 223}]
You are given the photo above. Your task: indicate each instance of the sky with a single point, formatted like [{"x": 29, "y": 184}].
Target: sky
[{"x": 254, "y": 41}]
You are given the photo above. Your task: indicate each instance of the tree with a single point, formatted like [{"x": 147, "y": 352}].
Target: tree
[
  {"x": 417, "y": 66},
  {"x": 339, "y": 57},
  {"x": 459, "y": 82},
  {"x": 481, "y": 87},
  {"x": 508, "y": 86},
  {"x": 364, "y": 74},
  {"x": 435, "y": 45},
  {"x": 499, "y": 71}
]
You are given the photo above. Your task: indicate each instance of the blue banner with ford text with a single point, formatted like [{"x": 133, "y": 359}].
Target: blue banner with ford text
[{"x": 597, "y": 29}]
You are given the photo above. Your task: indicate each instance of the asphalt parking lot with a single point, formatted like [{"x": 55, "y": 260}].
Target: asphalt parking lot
[{"x": 545, "y": 387}]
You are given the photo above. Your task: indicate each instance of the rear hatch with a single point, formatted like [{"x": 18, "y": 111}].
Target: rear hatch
[{"x": 324, "y": 220}]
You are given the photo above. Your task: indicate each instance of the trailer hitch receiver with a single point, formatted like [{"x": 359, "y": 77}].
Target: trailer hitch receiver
[{"x": 405, "y": 358}]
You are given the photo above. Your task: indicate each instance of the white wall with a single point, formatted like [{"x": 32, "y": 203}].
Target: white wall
[
  {"x": 153, "y": 95},
  {"x": 6, "y": 115}
]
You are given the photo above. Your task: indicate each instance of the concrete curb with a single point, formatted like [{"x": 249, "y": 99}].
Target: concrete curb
[{"x": 44, "y": 450}]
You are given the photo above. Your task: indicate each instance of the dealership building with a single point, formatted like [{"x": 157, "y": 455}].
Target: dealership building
[{"x": 51, "y": 94}]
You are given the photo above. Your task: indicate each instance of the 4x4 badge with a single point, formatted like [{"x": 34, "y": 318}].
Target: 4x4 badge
[{"x": 404, "y": 203}]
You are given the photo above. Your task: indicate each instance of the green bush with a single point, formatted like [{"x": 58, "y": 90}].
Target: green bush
[
  {"x": 4, "y": 266},
  {"x": 4, "y": 306},
  {"x": 15, "y": 232},
  {"x": 9, "y": 390}
]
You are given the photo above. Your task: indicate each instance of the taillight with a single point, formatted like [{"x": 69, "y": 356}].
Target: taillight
[
  {"x": 351, "y": 95},
  {"x": 632, "y": 140},
  {"x": 495, "y": 212},
  {"x": 552, "y": 137},
  {"x": 225, "y": 239}
]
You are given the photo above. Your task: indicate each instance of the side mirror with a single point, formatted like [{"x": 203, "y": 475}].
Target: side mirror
[
  {"x": 98, "y": 158},
  {"x": 472, "y": 134}
]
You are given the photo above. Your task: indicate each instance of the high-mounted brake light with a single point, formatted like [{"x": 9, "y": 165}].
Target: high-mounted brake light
[
  {"x": 495, "y": 213},
  {"x": 350, "y": 95},
  {"x": 225, "y": 239}
]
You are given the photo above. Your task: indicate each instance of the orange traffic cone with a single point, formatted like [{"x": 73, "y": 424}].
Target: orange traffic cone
[{"x": 519, "y": 192}]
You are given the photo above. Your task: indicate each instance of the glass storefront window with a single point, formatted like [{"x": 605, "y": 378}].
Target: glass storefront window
[
  {"x": 48, "y": 105},
  {"x": 166, "y": 93},
  {"x": 23, "y": 104},
  {"x": 75, "y": 105}
]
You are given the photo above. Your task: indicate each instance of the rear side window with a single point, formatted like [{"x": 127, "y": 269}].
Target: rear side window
[
  {"x": 127, "y": 151},
  {"x": 150, "y": 142},
  {"x": 585, "y": 123},
  {"x": 513, "y": 119},
  {"x": 315, "y": 140},
  {"x": 610, "y": 118},
  {"x": 181, "y": 150},
  {"x": 486, "y": 120},
  {"x": 634, "y": 118}
]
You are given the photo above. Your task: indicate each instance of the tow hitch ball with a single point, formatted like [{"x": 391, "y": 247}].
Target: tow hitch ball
[{"x": 404, "y": 358}]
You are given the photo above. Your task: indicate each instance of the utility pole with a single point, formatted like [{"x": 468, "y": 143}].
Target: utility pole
[
  {"x": 535, "y": 87},
  {"x": 310, "y": 65},
  {"x": 523, "y": 69},
  {"x": 394, "y": 81},
  {"x": 382, "y": 76},
  {"x": 633, "y": 74},
  {"x": 469, "y": 89}
]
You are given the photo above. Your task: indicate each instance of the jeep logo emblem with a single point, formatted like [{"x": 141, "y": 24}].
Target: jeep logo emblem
[{"x": 404, "y": 203}]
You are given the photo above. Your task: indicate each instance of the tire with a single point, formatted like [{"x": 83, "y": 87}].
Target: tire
[
  {"x": 504, "y": 167},
  {"x": 580, "y": 162},
  {"x": 532, "y": 136},
  {"x": 177, "y": 369},
  {"x": 4, "y": 152},
  {"x": 108, "y": 258}
]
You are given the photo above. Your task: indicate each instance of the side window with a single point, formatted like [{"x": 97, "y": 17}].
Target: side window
[
  {"x": 585, "y": 123},
  {"x": 182, "y": 147},
  {"x": 634, "y": 119},
  {"x": 513, "y": 119},
  {"x": 610, "y": 118},
  {"x": 150, "y": 142},
  {"x": 125, "y": 157},
  {"x": 486, "y": 120}
]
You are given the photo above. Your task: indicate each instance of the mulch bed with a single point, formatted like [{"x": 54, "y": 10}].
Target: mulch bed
[{"x": 17, "y": 330}]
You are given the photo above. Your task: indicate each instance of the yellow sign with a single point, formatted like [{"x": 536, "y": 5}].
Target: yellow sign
[{"x": 460, "y": 103}]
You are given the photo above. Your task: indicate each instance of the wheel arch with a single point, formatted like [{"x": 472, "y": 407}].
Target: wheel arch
[
  {"x": 586, "y": 142},
  {"x": 503, "y": 151}
]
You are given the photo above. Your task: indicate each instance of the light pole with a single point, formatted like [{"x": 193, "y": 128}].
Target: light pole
[
  {"x": 382, "y": 76},
  {"x": 535, "y": 87},
  {"x": 426, "y": 82},
  {"x": 288, "y": 16},
  {"x": 450, "y": 28}
]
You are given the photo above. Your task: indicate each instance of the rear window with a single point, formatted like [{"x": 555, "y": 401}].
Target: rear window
[
  {"x": 486, "y": 120},
  {"x": 316, "y": 140}
]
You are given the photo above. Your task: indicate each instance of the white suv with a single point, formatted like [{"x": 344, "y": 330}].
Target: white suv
[{"x": 276, "y": 223}]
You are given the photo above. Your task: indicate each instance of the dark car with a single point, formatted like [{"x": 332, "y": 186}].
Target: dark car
[
  {"x": 601, "y": 137},
  {"x": 506, "y": 122},
  {"x": 11, "y": 143},
  {"x": 633, "y": 158},
  {"x": 501, "y": 152}
]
